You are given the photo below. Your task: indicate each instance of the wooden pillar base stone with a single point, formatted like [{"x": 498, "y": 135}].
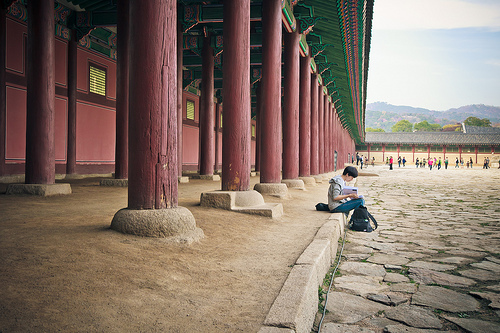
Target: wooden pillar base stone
[{"x": 175, "y": 224}]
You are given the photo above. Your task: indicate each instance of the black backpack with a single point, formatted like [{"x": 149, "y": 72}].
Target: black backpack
[{"x": 360, "y": 220}]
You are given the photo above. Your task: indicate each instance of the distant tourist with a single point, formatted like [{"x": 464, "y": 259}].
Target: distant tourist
[
  {"x": 373, "y": 161},
  {"x": 456, "y": 162},
  {"x": 446, "y": 163},
  {"x": 416, "y": 163},
  {"x": 399, "y": 161},
  {"x": 390, "y": 163},
  {"x": 404, "y": 161},
  {"x": 430, "y": 163},
  {"x": 470, "y": 162},
  {"x": 439, "y": 163}
]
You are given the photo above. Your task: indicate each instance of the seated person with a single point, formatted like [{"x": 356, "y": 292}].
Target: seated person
[{"x": 338, "y": 202}]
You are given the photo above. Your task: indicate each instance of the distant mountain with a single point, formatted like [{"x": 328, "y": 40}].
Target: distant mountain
[{"x": 384, "y": 115}]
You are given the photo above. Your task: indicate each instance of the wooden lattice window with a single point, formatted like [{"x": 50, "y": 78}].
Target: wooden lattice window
[
  {"x": 97, "y": 80},
  {"x": 189, "y": 110}
]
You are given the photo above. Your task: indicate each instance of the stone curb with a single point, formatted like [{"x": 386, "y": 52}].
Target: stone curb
[{"x": 296, "y": 306}]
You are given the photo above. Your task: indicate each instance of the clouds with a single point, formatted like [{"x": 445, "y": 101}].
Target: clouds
[
  {"x": 436, "y": 14},
  {"x": 436, "y": 54}
]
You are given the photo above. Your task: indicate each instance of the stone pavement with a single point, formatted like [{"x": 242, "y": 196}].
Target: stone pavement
[{"x": 434, "y": 262}]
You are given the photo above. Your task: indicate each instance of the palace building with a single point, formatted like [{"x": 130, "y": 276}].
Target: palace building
[{"x": 473, "y": 142}]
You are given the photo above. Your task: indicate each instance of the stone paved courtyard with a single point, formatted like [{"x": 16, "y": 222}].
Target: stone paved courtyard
[{"x": 434, "y": 262}]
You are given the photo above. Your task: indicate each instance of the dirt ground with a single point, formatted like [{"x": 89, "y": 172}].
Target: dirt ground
[{"x": 63, "y": 269}]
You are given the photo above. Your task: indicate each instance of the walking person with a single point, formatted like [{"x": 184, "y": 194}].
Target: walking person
[
  {"x": 439, "y": 163},
  {"x": 399, "y": 161},
  {"x": 430, "y": 163},
  {"x": 390, "y": 163},
  {"x": 446, "y": 163},
  {"x": 416, "y": 163},
  {"x": 470, "y": 162},
  {"x": 362, "y": 160},
  {"x": 456, "y": 162},
  {"x": 404, "y": 161}
]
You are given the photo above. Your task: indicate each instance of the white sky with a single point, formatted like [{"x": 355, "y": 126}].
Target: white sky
[{"x": 436, "y": 54}]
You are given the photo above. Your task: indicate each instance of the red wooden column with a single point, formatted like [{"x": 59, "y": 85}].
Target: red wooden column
[
  {"x": 327, "y": 133},
  {"x": 291, "y": 106},
  {"x": 314, "y": 125},
  {"x": 72, "y": 75},
  {"x": 217, "y": 126},
  {"x": 207, "y": 116},
  {"x": 258, "y": 122},
  {"x": 3, "y": 106},
  {"x": 270, "y": 164},
  {"x": 122, "y": 91},
  {"x": 305, "y": 117},
  {"x": 40, "y": 124},
  {"x": 321, "y": 130},
  {"x": 153, "y": 105},
  {"x": 236, "y": 89},
  {"x": 179, "y": 95}
]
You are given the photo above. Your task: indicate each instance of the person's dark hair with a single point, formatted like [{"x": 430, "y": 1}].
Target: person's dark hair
[{"x": 351, "y": 171}]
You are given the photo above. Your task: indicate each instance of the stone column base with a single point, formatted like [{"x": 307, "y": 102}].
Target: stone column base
[
  {"x": 248, "y": 202},
  {"x": 177, "y": 224},
  {"x": 215, "y": 178},
  {"x": 309, "y": 181},
  {"x": 183, "y": 179},
  {"x": 294, "y": 183},
  {"x": 318, "y": 178},
  {"x": 114, "y": 182},
  {"x": 43, "y": 190},
  {"x": 275, "y": 189}
]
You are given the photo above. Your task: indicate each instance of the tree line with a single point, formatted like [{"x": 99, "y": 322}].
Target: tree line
[{"x": 425, "y": 126}]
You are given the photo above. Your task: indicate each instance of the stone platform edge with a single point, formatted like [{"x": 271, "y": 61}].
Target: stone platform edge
[{"x": 296, "y": 305}]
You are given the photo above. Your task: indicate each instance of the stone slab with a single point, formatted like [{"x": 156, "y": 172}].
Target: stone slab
[
  {"x": 479, "y": 274},
  {"x": 363, "y": 268},
  {"x": 343, "y": 328},
  {"x": 395, "y": 277},
  {"x": 431, "y": 265},
  {"x": 408, "y": 288},
  {"x": 270, "y": 329},
  {"x": 414, "y": 316},
  {"x": 488, "y": 265},
  {"x": 453, "y": 260},
  {"x": 475, "y": 325},
  {"x": 114, "y": 182},
  {"x": 43, "y": 190},
  {"x": 494, "y": 298},
  {"x": 297, "y": 303},
  {"x": 330, "y": 231},
  {"x": 317, "y": 254},
  {"x": 272, "y": 210},
  {"x": 345, "y": 308},
  {"x": 178, "y": 224},
  {"x": 380, "y": 258},
  {"x": 294, "y": 183},
  {"x": 444, "y": 299},
  {"x": 427, "y": 276},
  {"x": 360, "y": 285},
  {"x": 405, "y": 329}
]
